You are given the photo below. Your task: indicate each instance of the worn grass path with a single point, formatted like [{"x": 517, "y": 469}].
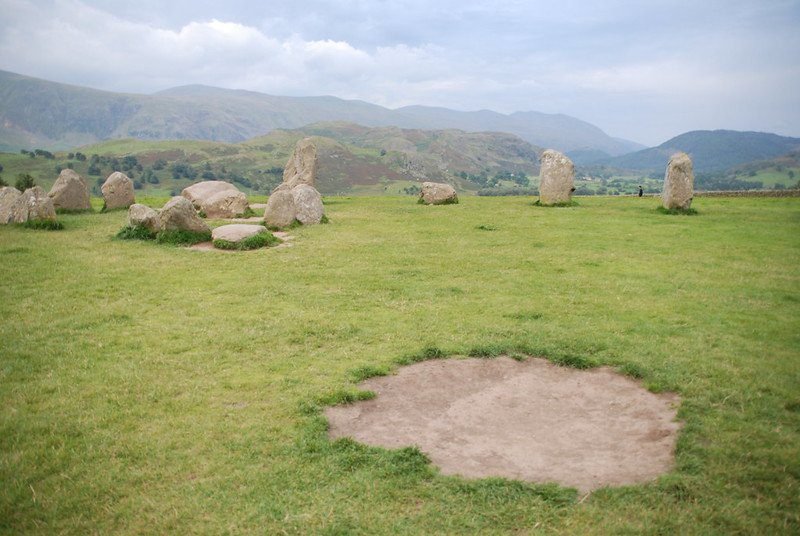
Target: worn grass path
[{"x": 151, "y": 389}]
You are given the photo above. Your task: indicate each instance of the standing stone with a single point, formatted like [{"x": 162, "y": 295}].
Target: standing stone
[
  {"x": 143, "y": 216},
  {"x": 437, "y": 193},
  {"x": 301, "y": 167},
  {"x": 70, "y": 192},
  {"x": 557, "y": 178},
  {"x": 308, "y": 204},
  {"x": 280, "y": 211},
  {"x": 678, "y": 183},
  {"x": 199, "y": 192},
  {"x": 33, "y": 205},
  {"x": 8, "y": 196},
  {"x": 118, "y": 191},
  {"x": 179, "y": 215},
  {"x": 225, "y": 204}
]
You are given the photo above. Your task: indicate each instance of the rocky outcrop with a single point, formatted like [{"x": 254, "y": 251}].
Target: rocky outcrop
[
  {"x": 118, "y": 191},
  {"x": 236, "y": 232},
  {"x": 296, "y": 199},
  {"x": 437, "y": 193},
  {"x": 8, "y": 196},
  {"x": 179, "y": 215},
  {"x": 144, "y": 216},
  {"x": 301, "y": 167},
  {"x": 556, "y": 178},
  {"x": 33, "y": 205},
  {"x": 225, "y": 204},
  {"x": 200, "y": 192},
  {"x": 70, "y": 192},
  {"x": 678, "y": 183}
]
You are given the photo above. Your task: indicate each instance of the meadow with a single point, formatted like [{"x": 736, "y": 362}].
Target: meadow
[{"x": 146, "y": 388}]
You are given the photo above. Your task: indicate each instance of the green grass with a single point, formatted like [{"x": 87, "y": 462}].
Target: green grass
[
  {"x": 562, "y": 204},
  {"x": 677, "y": 211},
  {"x": 164, "y": 390},
  {"x": 261, "y": 240},
  {"x": 43, "y": 225}
]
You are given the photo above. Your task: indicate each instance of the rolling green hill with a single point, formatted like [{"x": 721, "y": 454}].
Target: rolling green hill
[
  {"x": 38, "y": 113},
  {"x": 711, "y": 150},
  {"x": 352, "y": 159}
]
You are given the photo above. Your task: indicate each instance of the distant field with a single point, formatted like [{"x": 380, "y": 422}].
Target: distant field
[{"x": 150, "y": 389}]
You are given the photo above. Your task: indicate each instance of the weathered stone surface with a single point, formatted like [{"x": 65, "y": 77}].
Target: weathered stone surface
[
  {"x": 143, "y": 216},
  {"x": 678, "y": 182},
  {"x": 70, "y": 192},
  {"x": 225, "y": 204},
  {"x": 179, "y": 215},
  {"x": 557, "y": 178},
  {"x": 280, "y": 211},
  {"x": 308, "y": 204},
  {"x": 118, "y": 191},
  {"x": 198, "y": 193},
  {"x": 236, "y": 232},
  {"x": 33, "y": 205},
  {"x": 8, "y": 196},
  {"x": 301, "y": 167},
  {"x": 438, "y": 193}
]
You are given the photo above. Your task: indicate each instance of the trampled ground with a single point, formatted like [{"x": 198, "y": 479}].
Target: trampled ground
[{"x": 145, "y": 388}]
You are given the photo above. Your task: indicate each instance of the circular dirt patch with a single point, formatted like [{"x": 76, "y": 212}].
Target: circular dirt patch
[{"x": 528, "y": 420}]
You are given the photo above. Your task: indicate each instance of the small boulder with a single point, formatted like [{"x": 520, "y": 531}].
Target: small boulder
[
  {"x": 200, "y": 192},
  {"x": 33, "y": 205},
  {"x": 70, "y": 192},
  {"x": 179, "y": 215},
  {"x": 225, "y": 204},
  {"x": 301, "y": 167},
  {"x": 8, "y": 196},
  {"x": 678, "y": 183},
  {"x": 143, "y": 216},
  {"x": 557, "y": 178},
  {"x": 437, "y": 193},
  {"x": 118, "y": 191},
  {"x": 280, "y": 211},
  {"x": 236, "y": 232},
  {"x": 308, "y": 204}
]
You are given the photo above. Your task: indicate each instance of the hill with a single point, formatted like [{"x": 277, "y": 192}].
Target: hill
[
  {"x": 711, "y": 150},
  {"x": 352, "y": 159},
  {"x": 37, "y": 113}
]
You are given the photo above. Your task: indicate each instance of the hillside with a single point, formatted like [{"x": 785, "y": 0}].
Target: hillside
[
  {"x": 36, "y": 113},
  {"x": 711, "y": 150},
  {"x": 352, "y": 159}
]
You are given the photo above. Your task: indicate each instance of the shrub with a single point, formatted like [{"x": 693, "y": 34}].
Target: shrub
[
  {"x": 135, "y": 233},
  {"x": 539, "y": 203},
  {"x": 260, "y": 240},
  {"x": 677, "y": 211},
  {"x": 46, "y": 225},
  {"x": 24, "y": 181}
]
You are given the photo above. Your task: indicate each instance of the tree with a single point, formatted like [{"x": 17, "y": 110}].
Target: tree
[
  {"x": 24, "y": 181},
  {"x": 3, "y": 183},
  {"x": 1, "y": 169}
]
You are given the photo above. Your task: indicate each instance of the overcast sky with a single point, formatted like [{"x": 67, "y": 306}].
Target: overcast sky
[{"x": 641, "y": 70}]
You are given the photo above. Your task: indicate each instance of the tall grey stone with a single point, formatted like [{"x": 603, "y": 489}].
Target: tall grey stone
[
  {"x": 118, "y": 191},
  {"x": 557, "y": 178},
  {"x": 301, "y": 167},
  {"x": 437, "y": 193},
  {"x": 678, "y": 182},
  {"x": 8, "y": 196},
  {"x": 296, "y": 199},
  {"x": 33, "y": 205},
  {"x": 70, "y": 192}
]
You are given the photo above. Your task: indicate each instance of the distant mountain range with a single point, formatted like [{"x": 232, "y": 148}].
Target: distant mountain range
[
  {"x": 711, "y": 150},
  {"x": 36, "y": 113}
]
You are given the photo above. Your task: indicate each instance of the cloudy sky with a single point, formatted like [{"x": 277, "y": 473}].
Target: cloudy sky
[{"x": 642, "y": 70}]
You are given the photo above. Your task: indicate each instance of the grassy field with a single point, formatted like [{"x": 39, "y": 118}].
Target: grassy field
[{"x": 151, "y": 389}]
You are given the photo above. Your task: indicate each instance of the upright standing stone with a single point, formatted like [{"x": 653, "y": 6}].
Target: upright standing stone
[
  {"x": 557, "y": 178},
  {"x": 437, "y": 193},
  {"x": 33, "y": 205},
  {"x": 301, "y": 167},
  {"x": 8, "y": 196},
  {"x": 296, "y": 198},
  {"x": 118, "y": 191},
  {"x": 678, "y": 183},
  {"x": 70, "y": 192}
]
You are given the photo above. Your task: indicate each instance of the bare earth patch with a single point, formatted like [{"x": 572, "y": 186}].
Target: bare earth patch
[{"x": 528, "y": 420}]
